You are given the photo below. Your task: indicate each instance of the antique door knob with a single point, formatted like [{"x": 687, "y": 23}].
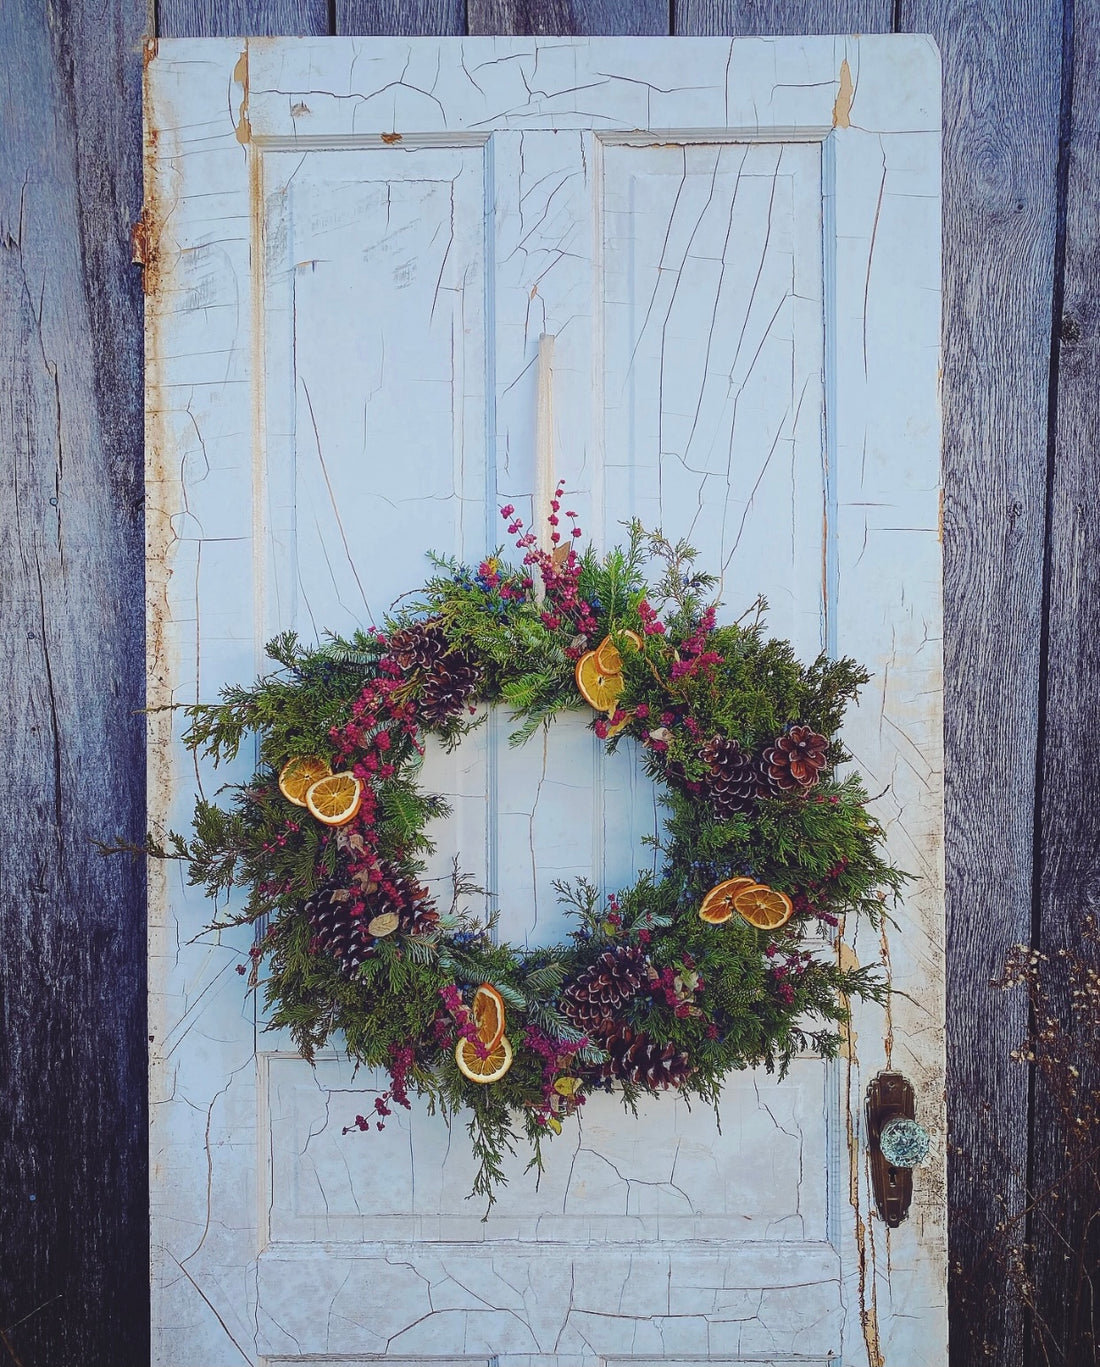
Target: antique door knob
[
  {"x": 896, "y": 1142},
  {"x": 903, "y": 1142}
]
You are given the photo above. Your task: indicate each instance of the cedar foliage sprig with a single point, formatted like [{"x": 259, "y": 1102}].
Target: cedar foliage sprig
[{"x": 708, "y": 998}]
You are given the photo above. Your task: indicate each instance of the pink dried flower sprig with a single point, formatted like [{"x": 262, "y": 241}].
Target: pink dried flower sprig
[{"x": 563, "y": 605}]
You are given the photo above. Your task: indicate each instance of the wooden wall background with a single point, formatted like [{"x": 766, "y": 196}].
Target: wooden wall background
[{"x": 1022, "y": 422}]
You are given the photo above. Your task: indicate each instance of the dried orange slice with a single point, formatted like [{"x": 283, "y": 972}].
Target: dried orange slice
[
  {"x": 763, "y": 907},
  {"x": 717, "y": 907},
  {"x": 477, "y": 1069},
  {"x": 608, "y": 658},
  {"x": 335, "y": 799},
  {"x": 599, "y": 690},
  {"x": 489, "y": 1015},
  {"x": 298, "y": 775}
]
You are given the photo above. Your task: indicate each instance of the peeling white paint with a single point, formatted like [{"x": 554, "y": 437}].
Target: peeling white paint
[{"x": 343, "y": 339}]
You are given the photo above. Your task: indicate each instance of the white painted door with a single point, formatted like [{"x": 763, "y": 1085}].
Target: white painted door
[{"x": 355, "y": 246}]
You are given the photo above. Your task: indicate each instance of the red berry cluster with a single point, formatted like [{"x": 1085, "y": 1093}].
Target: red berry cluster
[
  {"x": 401, "y": 1061},
  {"x": 557, "y": 1058},
  {"x": 559, "y": 569}
]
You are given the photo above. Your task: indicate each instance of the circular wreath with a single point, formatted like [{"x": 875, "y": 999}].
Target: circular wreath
[{"x": 668, "y": 984}]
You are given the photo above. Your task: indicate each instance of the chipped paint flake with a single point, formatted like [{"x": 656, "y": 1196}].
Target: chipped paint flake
[
  {"x": 243, "y": 128},
  {"x": 842, "y": 109}
]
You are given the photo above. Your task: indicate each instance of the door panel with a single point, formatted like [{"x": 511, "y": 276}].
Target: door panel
[{"x": 359, "y": 250}]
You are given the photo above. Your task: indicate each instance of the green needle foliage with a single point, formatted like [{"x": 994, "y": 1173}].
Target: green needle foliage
[{"x": 350, "y": 944}]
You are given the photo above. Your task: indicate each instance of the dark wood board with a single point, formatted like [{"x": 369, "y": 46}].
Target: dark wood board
[
  {"x": 582, "y": 18},
  {"x": 1065, "y": 1169},
  {"x": 1002, "y": 81},
  {"x": 73, "y": 1189},
  {"x": 763, "y": 17},
  {"x": 407, "y": 18},
  {"x": 241, "y": 18}
]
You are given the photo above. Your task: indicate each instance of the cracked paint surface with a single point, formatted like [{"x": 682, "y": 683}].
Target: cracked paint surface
[{"x": 357, "y": 247}]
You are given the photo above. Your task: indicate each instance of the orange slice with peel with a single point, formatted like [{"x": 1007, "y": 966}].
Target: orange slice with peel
[
  {"x": 299, "y": 774},
  {"x": 599, "y": 690},
  {"x": 478, "y": 1069},
  {"x": 717, "y": 906},
  {"x": 488, "y": 1008},
  {"x": 608, "y": 658},
  {"x": 763, "y": 907},
  {"x": 335, "y": 799}
]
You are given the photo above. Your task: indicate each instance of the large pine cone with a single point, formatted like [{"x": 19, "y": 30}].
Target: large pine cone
[
  {"x": 449, "y": 677},
  {"x": 594, "y": 998},
  {"x": 419, "y": 646},
  {"x": 734, "y": 778},
  {"x": 347, "y": 934},
  {"x": 794, "y": 762},
  {"x": 639, "y": 1059},
  {"x": 336, "y": 930},
  {"x": 393, "y": 891},
  {"x": 448, "y": 688}
]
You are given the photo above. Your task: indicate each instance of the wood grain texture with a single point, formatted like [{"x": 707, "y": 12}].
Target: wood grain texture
[
  {"x": 1001, "y": 110},
  {"x": 579, "y": 17},
  {"x": 247, "y": 18},
  {"x": 407, "y": 18},
  {"x": 74, "y": 1248},
  {"x": 1065, "y": 1167},
  {"x": 696, "y": 18}
]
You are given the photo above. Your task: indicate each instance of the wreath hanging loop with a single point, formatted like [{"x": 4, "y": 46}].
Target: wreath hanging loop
[{"x": 714, "y": 963}]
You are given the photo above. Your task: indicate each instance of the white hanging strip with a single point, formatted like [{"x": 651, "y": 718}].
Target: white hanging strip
[{"x": 545, "y": 481}]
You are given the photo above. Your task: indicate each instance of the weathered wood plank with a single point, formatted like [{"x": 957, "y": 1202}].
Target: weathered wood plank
[
  {"x": 248, "y": 18},
  {"x": 1065, "y": 1230},
  {"x": 407, "y": 18},
  {"x": 768, "y": 17},
  {"x": 579, "y": 17},
  {"x": 1001, "y": 102},
  {"x": 73, "y": 1254}
]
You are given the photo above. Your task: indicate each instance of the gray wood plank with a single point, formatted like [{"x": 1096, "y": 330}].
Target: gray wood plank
[
  {"x": 1065, "y": 1169},
  {"x": 1001, "y": 114},
  {"x": 244, "y": 18},
  {"x": 407, "y": 18},
  {"x": 696, "y": 18},
  {"x": 74, "y": 1247},
  {"x": 580, "y": 17}
]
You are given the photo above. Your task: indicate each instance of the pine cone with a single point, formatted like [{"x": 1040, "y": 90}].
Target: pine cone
[
  {"x": 336, "y": 930},
  {"x": 448, "y": 676},
  {"x": 734, "y": 779},
  {"x": 341, "y": 917},
  {"x": 391, "y": 891},
  {"x": 592, "y": 1000},
  {"x": 795, "y": 760},
  {"x": 448, "y": 688},
  {"x": 639, "y": 1059},
  {"x": 419, "y": 646}
]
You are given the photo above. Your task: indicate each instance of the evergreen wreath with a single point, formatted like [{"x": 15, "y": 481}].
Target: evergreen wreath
[{"x": 668, "y": 984}]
